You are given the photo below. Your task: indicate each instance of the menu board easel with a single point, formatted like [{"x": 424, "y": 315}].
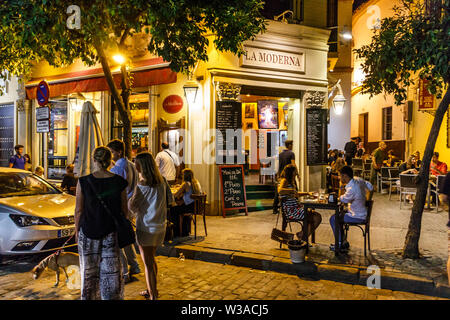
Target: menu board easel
[{"x": 232, "y": 187}]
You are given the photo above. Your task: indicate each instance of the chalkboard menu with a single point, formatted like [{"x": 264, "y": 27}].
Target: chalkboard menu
[
  {"x": 316, "y": 136},
  {"x": 232, "y": 188},
  {"x": 228, "y": 116}
]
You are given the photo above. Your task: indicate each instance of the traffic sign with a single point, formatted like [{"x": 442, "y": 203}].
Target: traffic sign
[
  {"x": 42, "y": 93},
  {"x": 43, "y": 126}
]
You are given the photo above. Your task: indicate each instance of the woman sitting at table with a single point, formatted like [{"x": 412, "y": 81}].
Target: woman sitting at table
[
  {"x": 293, "y": 210},
  {"x": 184, "y": 201},
  {"x": 408, "y": 167}
]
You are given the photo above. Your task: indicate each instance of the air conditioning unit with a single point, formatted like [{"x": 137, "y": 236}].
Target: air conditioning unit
[{"x": 408, "y": 111}]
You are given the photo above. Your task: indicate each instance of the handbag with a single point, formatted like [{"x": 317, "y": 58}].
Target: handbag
[
  {"x": 280, "y": 235},
  {"x": 125, "y": 232}
]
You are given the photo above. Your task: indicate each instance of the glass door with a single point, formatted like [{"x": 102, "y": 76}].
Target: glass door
[{"x": 57, "y": 140}]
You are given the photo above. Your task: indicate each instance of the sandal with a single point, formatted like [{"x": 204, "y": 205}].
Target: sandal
[{"x": 145, "y": 294}]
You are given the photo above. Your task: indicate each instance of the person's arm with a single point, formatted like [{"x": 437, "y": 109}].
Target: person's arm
[
  {"x": 133, "y": 202},
  {"x": 285, "y": 191},
  {"x": 124, "y": 203},
  {"x": 348, "y": 196},
  {"x": 181, "y": 191},
  {"x": 79, "y": 203}
]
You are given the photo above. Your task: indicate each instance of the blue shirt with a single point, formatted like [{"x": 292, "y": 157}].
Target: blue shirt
[
  {"x": 126, "y": 170},
  {"x": 18, "y": 163}
]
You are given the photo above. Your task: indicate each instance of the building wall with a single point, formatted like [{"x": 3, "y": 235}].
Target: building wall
[{"x": 362, "y": 26}]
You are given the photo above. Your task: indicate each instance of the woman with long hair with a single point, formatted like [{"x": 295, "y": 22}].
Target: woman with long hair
[
  {"x": 149, "y": 203},
  {"x": 28, "y": 165},
  {"x": 184, "y": 201},
  {"x": 293, "y": 210},
  {"x": 101, "y": 196}
]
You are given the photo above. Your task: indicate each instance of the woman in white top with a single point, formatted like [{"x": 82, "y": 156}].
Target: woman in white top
[{"x": 149, "y": 203}]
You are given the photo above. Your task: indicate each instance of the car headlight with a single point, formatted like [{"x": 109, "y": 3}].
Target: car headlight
[{"x": 26, "y": 221}]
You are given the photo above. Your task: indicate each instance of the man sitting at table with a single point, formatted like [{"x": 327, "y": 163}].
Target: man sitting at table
[
  {"x": 355, "y": 195},
  {"x": 437, "y": 167}
]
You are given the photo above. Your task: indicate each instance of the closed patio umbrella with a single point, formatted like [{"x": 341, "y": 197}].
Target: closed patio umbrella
[{"x": 90, "y": 138}]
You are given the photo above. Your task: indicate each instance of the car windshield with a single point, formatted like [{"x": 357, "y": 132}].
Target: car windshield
[{"x": 14, "y": 184}]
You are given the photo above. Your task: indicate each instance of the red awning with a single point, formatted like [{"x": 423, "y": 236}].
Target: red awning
[{"x": 140, "y": 79}]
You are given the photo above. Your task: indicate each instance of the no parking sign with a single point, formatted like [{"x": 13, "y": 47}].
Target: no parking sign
[{"x": 42, "y": 93}]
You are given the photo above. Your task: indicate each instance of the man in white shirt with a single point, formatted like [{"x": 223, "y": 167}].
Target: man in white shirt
[
  {"x": 168, "y": 163},
  {"x": 355, "y": 195}
]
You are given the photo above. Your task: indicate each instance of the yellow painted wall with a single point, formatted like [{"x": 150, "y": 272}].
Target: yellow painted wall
[{"x": 363, "y": 20}]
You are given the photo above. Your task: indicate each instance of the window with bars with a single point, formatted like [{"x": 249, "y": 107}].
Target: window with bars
[
  {"x": 387, "y": 123},
  {"x": 274, "y": 8}
]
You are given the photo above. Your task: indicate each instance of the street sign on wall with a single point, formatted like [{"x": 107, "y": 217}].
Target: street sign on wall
[
  {"x": 42, "y": 93},
  {"x": 43, "y": 126}
]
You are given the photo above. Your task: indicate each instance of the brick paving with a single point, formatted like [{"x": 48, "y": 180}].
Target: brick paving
[{"x": 197, "y": 280}]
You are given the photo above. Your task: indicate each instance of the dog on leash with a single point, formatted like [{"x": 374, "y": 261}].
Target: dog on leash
[{"x": 54, "y": 262}]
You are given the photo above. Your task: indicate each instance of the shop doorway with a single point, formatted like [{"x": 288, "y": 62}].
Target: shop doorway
[
  {"x": 268, "y": 117},
  {"x": 6, "y": 133}
]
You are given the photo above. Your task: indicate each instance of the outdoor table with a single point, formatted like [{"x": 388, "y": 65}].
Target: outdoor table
[{"x": 316, "y": 204}]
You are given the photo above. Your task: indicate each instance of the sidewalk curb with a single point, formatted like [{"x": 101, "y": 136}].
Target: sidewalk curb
[{"x": 345, "y": 274}]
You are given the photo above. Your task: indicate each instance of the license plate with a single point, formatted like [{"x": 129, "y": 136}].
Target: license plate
[{"x": 66, "y": 232}]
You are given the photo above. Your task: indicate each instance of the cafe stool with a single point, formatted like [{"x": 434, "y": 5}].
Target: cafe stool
[
  {"x": 365, "y": 224},
  {"x": 199, "y": 209}
]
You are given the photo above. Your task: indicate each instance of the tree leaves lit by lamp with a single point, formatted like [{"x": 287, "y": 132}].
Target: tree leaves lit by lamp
[{"x": 190, "y": 91}]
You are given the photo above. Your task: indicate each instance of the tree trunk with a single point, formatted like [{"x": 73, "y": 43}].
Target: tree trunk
[
  {"x": 121, "y": 100},
  {"x": 411, "y": 248}
]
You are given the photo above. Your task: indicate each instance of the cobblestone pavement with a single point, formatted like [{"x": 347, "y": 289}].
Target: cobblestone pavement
[{"x": 196, "y": 280}]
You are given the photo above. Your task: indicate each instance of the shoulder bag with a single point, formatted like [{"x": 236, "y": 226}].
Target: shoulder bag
[{"x": 125, "y": 232}]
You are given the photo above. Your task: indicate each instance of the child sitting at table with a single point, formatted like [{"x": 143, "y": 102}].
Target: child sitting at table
[
  {"x": 293, "y": 210},
  {"x": 185, "y": 203}
]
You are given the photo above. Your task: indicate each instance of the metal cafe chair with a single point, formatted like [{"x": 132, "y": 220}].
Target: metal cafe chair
[
  {"x": 439, "y": 188},
  {"x": 407, "y": 185},
  {"x": 367, "y": 170},
  {"x": 357, "y": 163},
  {"x": 368, "y": 161},
  {"x": 383, "y": 178},
  {"x": 365, "y": 224},
  {"x": 199, "y": 209},
  {"x": 393, "y": 178}
]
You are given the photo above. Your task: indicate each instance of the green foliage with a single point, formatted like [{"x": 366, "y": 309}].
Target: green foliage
[
  {"x": 34, "y": 30},
  {"x": 409, "y": 45}
]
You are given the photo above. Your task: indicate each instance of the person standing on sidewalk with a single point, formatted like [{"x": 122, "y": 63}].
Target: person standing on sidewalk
[
  {"x": 99, "y": 196},
  {"x": 350, "y": 149},
  {"x": 149, "y": 203},
  {"x": 168, "y": 163},
  {"x": 446, "y": 198},
  {"x": 378, "y": 156},
  {"x": 17, "y": 161},
  {"x": 125, "y": 168}
]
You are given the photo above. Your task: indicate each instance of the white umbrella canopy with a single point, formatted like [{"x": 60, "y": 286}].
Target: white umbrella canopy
[{"x": 90, "y": 138}]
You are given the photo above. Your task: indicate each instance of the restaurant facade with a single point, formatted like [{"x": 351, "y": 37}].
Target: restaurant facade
[{"x": 285, "y": 67}]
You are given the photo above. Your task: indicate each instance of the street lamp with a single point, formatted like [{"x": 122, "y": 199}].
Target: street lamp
[
  {"x": 190, "y": 92},
  {"x": 120, "y": 59},
  {"x": 338, "y": 102}
]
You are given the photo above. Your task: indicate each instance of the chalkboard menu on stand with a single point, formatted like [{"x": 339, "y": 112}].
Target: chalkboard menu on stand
[
  {"x": 232, "y": 187},
  {"x": 316, "y": 137},
  {"x": 228, "y": 116}
]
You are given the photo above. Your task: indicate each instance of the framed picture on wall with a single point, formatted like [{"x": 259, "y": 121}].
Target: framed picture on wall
[
  {"x": 249, "y": 110},
  {"x": 268, "y": 114}
]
